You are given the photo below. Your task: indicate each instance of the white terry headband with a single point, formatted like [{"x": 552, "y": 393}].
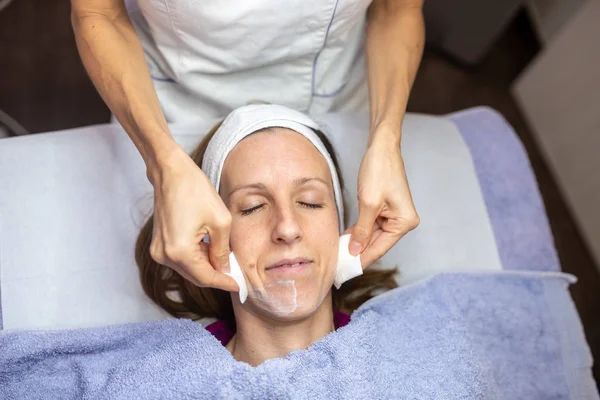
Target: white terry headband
[{"x": 248, "y": 119}]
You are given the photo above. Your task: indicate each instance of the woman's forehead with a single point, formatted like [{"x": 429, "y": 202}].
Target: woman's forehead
[{"x": 277, "y": 151}]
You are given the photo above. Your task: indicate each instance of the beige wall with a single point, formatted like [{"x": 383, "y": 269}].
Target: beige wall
[{"x": 559, "y": 94}]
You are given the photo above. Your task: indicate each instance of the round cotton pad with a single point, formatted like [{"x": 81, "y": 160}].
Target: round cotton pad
[
  {"x": 235, "y": 272},
  {"x": 348, "y": 266}
]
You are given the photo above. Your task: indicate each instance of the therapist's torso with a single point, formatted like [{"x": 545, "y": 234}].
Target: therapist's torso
[{"x": 207, "y": 57}]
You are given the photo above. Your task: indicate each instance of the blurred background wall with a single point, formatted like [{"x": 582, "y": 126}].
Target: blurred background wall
[{"x": 535, "y": 61}]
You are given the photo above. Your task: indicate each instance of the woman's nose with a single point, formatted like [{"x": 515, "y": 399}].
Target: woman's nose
[{"x": 287, "y": 228}]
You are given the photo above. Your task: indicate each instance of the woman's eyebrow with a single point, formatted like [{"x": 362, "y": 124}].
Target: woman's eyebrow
[
  {"x": 257, "y": 186},
  {"x": 305, "y": 180},
  {"x": 261, "y": 186}
]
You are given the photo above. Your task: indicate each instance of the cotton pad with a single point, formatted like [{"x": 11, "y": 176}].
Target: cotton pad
[
  {"x": 236, "y": 273},
  {"x": 348, "y": 266}
]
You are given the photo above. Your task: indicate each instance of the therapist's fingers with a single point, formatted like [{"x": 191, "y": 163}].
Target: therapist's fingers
[
  {"x": 192, "y": 263},
  {"x": 377, "y": 249},
  {"x": 214, "y": 279},
  {"x": 389, "y": 230},
  {"x": 363, "y": 229},
  {"x": 186, "y": 276},
  {"x": 368, "y": 257},
  {"x": 218, "y": 280},
  {"x": 202, "y": 273},
  {"x": 218, "y": 250}
]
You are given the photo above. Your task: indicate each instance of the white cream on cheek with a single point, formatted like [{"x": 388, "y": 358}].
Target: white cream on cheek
[
  {"x": 282, "y": 297},
  {"x": 279, "y": 298}
]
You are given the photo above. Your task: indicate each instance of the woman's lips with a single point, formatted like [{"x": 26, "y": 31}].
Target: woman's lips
[{"x": 292, "y": 265}]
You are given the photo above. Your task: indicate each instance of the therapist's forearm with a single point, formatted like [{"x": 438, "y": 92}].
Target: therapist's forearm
[
  {"x": 395, "y": 40},
  {"x": 113, "y": 57}
]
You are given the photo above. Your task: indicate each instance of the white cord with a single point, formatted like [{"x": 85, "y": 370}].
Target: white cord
[
  {"x": 4, "y": 4},
  {"x": 13, "y": 126}
]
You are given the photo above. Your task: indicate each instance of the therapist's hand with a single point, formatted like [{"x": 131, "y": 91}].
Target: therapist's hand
[
  {"x": 186, "y": 208},
  {"x": 386, "y": 208}
]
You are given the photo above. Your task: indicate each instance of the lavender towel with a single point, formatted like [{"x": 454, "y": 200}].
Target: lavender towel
[
  {"x": 508, "y": 335},
  {"x": 510, "y": 191}
]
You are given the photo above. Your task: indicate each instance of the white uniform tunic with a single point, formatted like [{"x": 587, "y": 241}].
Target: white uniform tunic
[{"x": 207, "y": 57}]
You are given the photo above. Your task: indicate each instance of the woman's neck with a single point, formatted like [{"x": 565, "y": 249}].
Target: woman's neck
[{"x": 257, "y": 340}]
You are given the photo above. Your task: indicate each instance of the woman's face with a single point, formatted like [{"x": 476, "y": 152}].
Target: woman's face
[{"x": 284, "y": 229}]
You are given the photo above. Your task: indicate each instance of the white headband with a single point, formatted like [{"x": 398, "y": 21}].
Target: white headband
[{"x": 246, "y": 120}]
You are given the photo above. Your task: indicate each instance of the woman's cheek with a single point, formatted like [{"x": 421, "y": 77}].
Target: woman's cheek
[
  {"x": 236, "y": 237},
  {"x": 245, "y": 240}
]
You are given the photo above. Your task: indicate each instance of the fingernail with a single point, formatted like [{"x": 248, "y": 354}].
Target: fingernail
[{"x": 355, "y": 248}]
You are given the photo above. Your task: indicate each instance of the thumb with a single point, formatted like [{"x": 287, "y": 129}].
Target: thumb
[
  {"x": 224, "y": 282},
  {"x": 218, "y": 249},
  {"x": 363, "y": 229}
]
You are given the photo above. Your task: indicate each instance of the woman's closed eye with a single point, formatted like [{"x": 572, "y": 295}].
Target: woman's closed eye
[
  {"x": 310, "y": 205},
  {"x": 250, "y": 210}
]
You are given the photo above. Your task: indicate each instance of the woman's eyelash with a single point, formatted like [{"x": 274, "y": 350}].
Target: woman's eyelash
[
  {"x": 251, "y": 210},
  {"x": 255, "y": 208},
  {"x": 311, "y": 205}
]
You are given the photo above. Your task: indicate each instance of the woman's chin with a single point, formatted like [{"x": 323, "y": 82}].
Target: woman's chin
[{"x": 288, "y": 302}]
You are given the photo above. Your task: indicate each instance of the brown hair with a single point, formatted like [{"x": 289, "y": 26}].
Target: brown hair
[{"x": 183, "y": 299}]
